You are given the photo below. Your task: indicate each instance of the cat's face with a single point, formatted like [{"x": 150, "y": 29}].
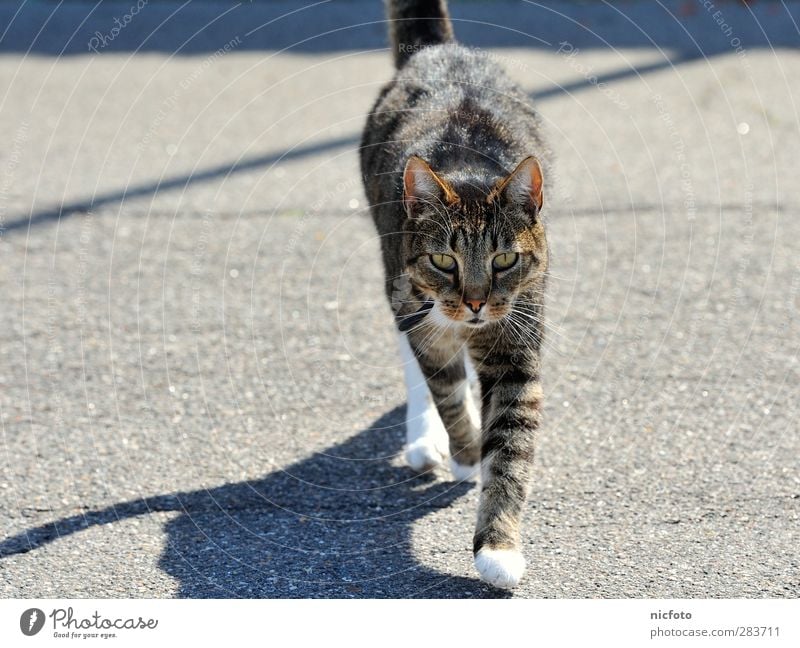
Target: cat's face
[{"x": 473, "y": 252}]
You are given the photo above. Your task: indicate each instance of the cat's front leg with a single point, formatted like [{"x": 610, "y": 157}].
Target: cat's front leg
[
  {"x": 511, "y": 416},
  {"x": 427, "y": 443},
  {"x": 441, "y": 358}
]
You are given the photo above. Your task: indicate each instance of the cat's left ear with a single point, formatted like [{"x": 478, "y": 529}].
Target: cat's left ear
[{"x": 523, "y": 186}]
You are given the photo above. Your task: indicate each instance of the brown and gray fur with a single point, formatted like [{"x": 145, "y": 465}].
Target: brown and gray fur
[{"x": 446, "y": 159}]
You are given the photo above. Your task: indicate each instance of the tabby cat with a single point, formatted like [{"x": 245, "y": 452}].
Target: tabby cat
[{"x": 449, "y": 167}]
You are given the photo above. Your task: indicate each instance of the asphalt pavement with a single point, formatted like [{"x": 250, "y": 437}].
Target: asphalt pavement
[{"x": 200, "y": 393}]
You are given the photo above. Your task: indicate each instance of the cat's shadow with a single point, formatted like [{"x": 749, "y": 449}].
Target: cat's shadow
[{"x": 338, "y": 524}]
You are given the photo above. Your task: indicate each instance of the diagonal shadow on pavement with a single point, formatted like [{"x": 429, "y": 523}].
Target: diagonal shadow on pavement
[
  {"x": 338, "y": 524},
  {"x": 178, "y": 182},
  {"x": 296, "y": 152}
]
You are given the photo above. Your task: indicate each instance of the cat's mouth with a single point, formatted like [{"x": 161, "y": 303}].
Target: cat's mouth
[{"x": 476, "y": 322}]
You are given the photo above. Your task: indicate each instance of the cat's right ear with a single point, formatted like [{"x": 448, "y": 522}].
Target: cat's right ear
[
  {"x": 422, "y": 186},
  {"x": 523, "y": 186}
]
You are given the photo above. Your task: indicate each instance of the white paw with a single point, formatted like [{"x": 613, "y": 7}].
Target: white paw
[
  {"x": 500, "y": 567},
  {"x": 425, "y": 454},
  {"x": 427, "y": 442},
  {"x": 464, "y": 472}
]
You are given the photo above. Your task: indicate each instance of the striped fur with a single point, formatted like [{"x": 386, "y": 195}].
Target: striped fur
[{"x": 454, "y": 164}]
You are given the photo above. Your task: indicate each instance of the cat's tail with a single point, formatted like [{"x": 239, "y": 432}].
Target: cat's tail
[{"x": 414, "y": 24}]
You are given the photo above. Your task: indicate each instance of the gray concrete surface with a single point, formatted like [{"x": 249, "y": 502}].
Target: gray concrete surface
[{"x": 199, "y": 391}]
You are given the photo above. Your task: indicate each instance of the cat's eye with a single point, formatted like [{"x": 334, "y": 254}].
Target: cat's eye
[
  {"x": 505, "y": 260},
  {"x": 443, "y": 262}
]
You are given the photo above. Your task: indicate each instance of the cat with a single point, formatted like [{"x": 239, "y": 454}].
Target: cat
[{"x": 453, "y": 162}]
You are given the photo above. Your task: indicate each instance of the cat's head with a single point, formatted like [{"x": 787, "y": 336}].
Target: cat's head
[{"x": 473, "y": 247}]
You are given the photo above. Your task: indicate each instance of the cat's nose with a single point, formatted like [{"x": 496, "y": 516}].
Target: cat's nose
[{"x": 475, "y": 305}]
